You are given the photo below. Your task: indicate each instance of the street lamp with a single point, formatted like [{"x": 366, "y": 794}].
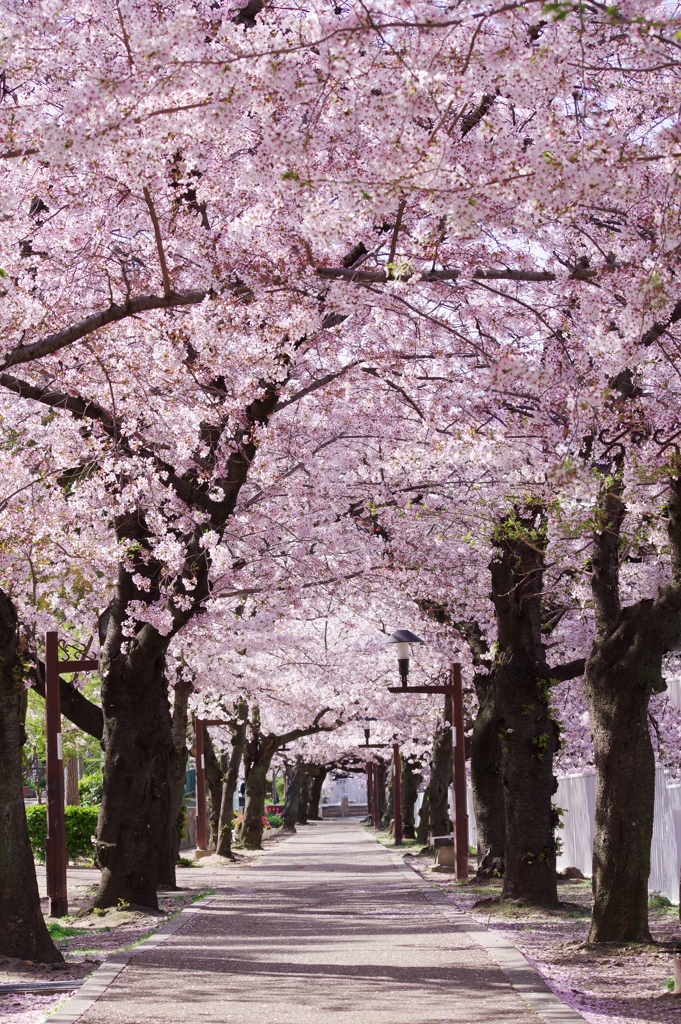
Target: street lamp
[
  {"x": 454, "y": 713},
  {"x": 403, "y": 638}
]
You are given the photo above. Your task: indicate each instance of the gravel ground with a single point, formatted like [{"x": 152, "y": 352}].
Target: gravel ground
[{"x": 606, "y": 984}]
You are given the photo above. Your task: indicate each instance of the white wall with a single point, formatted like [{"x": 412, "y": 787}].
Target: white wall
[
  {"x": 577, "y": 796},
  {"x": 354, "y": 788}
]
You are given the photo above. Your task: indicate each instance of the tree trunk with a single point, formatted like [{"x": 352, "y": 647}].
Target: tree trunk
[
  {"x": 316, "y": 794},
  {"x": 389, "y": 810},
  {"x": 623, "y": 669},
  {"x": 619, "y": 680},
  {"x": 256, "y": 790},
  {"x": 229, "y": 783},
  {"x": 23, "y": 933},
  {"x": 380, "y": 769},
  {"x": 411, "y": 781},
  {"x": 304, "y": 796},
  {"x": 441, "y": 779},
  {"x": 170, "y": 851},
  {"x": 423, "y": 829},
  {"x": 528, "y": 734},
  {"x": 138, "y": 754},
  {"x": 214, "y": 784},
  {"x": 292, "y": 803},
  {"x": 488, "y": 792},
  {"x": 71, "y": 782}
]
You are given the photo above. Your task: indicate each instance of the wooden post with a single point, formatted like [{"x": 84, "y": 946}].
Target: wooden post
[
  {"x": 375, "y": 801},
  {"x": 199, "y": 758},
  {"x": 397, "y": 794},
  {"x": 370, "y": 783},
  {"x": 459, "y": 776},
  {"x": 55, "y": 845}
]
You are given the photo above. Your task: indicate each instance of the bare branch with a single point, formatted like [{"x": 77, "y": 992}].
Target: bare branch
[
  {"x": 167, "y": 290},
  {"x": 314, "y": 386},
  {"x": 396, "y": 231}
]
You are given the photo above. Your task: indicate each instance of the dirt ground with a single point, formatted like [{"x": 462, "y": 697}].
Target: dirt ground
[{"x": 606, "y": 984}]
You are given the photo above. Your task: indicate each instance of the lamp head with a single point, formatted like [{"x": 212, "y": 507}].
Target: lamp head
[{"x": 403, "y": 638}]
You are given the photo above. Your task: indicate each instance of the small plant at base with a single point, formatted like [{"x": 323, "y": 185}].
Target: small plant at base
[
  {"x": 123, "y": 904},
  {"x": 657, "y": 901},
  {"x": 185, "y": 862}
]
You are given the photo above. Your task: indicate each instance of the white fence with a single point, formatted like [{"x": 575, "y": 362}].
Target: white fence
[{"x": 577, "y": 796}]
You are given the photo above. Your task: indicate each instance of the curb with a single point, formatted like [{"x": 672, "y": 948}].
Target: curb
[
  {"x": 98, "y": 982},
  {"x": 524, "y": 977}
]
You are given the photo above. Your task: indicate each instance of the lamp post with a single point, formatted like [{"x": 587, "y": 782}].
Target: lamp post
[
  {"x": 373, "y": 802},
  {"x": 403, "y": 638}
]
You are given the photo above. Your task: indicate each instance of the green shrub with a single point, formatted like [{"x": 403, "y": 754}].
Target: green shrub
[
  {"x": 81, "y": 825},
  {"x": 90, "y": 789},
  {"x": 36, "y": 819},
  {"x": 657, "y": 901},
  {"x": 275, "y": 820}
]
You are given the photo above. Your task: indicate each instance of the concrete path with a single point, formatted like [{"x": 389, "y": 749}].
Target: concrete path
[{"x": 326, "y": 927}]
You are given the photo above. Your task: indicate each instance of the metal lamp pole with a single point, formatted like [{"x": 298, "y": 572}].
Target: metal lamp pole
[{"x": 454, "y": 693}]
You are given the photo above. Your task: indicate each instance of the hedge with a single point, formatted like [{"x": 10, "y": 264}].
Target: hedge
[
  {"x": 81, "y": 825},
  {"x": 90, "y": 790}
]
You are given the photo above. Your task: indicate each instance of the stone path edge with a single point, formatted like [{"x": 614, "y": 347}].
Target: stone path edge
[
  {"x": 98, "y": 982},
  {"x": 524, "y": 977}
]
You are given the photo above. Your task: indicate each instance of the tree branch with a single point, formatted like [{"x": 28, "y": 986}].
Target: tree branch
[
  {"x": 113, "y": 314},
  {"x": 74, "y": 705},
  {"x": 296, "y": 734},
  {"x": 167, "y": 290},
  {"x": 569, "y": 670}
]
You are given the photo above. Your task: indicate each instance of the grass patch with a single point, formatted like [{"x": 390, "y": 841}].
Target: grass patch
[
  {"x": 669, "y": 984},
  {"x": 386, "y": 840},
  {"x": 62, "y": 931},
  {"x": 185, "y": 862},
  {"x": 657, "y": 901}
]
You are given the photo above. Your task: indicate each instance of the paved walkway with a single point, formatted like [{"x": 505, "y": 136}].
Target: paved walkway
[{"x": 326, "y": 927}]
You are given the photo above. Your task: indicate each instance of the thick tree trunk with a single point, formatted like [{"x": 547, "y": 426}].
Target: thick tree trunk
[
  {"x": 138, "y": 754},
  {"x": 71, "y": 782},
  {"x": 528, "y": 735},
  {"x": 170, "y": 851},
  {"x": 214, "y": 796},
  {"x": 295, "y": 784},
  {"x": 619, "y": 680},
  {"x": 304, "y": 796},
  {"x": 316, "y": 794},
  {"x": 256, "y": 791},
  {"x": 440, "y": 780},
  {"x": 23, "y": 933},
  {"x": 423, "y": 828},
  {"x": 229, "y": 784},
  {"x": 488, "y": 792},
  {"x": 411, "y": 781},
  {"x": 624, "y": 668}
]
